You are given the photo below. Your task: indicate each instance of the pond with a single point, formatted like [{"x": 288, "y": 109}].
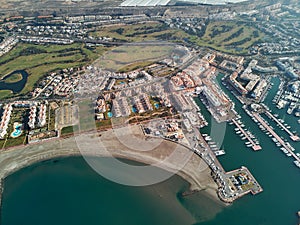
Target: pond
[{"x": 17, "y": 86}]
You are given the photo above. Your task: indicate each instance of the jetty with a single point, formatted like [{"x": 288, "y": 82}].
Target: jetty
[
  {"x": 255, "y": 187},
  {"x": 275, "y": 135},
  {"x": 232, "y": 184},
  {"x": 208, "y": 154},
  {"x": 255, "y": 146},
  {"x": 292, "y": 136}
]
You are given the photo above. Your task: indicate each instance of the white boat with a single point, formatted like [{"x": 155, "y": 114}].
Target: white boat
[
  {"x": 208, "y": 138},
  {"x": 297, "y": 163},
  {"x": 285, "y": 151},
  {"x": 220, "y": 152}
]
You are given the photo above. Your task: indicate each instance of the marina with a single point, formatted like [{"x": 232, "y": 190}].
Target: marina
[
  {"x": 213, "y": 146},
  {"x": 284, "y": 144},
  {"x": 279, "y": 141},
  {"x": 247, "y": 135},
  {"x": 161, "y": 82},
  {"x": 285, "y": 128}
]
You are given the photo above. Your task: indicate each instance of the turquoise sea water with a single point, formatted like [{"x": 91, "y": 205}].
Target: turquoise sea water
[{"x": 67, "y": 191}]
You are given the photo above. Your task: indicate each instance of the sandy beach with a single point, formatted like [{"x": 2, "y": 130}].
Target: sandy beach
[{"x": 119, "y": 143}]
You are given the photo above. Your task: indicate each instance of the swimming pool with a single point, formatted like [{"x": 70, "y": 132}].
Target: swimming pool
[
  {"x": 133, "y": 109},
  {"x": 109, "y": 114},
  {"x": 17, "y": 130}
]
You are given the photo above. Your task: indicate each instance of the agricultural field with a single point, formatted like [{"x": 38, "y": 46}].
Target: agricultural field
[
  {"x": 38, "y": 60},
  {"x": 230, "y": 37}
]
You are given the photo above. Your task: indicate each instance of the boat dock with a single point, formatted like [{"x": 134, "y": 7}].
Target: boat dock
[
  {"x": 233, "y": 184},
  {"x": 208, "y": 155},
  {"x": 273, "y": 133},
  {"x": 256, "y": 189},
  {"x": 292, "y": 136},
  {"x": 254, "y": 146}
]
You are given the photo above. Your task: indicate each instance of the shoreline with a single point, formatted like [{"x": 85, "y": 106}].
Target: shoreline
[{"x": 14, "y": 159}]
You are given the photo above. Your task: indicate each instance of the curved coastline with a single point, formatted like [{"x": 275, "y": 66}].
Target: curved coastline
[{"x": 200, "y": 179}]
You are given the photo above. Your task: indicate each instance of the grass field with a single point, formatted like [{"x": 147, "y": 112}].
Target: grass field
[
  {"x": 39, "y": 60},
  {"x": 140, "y": 32},
  {"x": 124, "y": 58},
  {"x": 11, "y": 142},
  {"x": 5, "y": 93},
  {"x": 134, "y": 66},
  {"x": 226, "y": 36},
  {"x": 230, "y": 37},
  {"x": 68, "y": 130},
  {"x": 2, "y": 143},
  {"x": 13, "y": 78}
]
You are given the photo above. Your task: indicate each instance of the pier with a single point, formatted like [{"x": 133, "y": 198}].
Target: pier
[
  {"x": 292, "y": 136},
  {"x": 229, "y": 188},
  {"x": 256, "y": 188},
  {"x": 208, "y": 155},
  {"x": 273, "y": 133},
  {"x": 255, "y": 147}
]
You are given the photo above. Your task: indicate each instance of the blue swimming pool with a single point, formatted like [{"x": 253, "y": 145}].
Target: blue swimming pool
[
  {"x": 133, "y": 109},
  {"x": 156, "y": 105},
  {"x": 17, "y": 131},
  {"x": 109, "y": 114}
]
